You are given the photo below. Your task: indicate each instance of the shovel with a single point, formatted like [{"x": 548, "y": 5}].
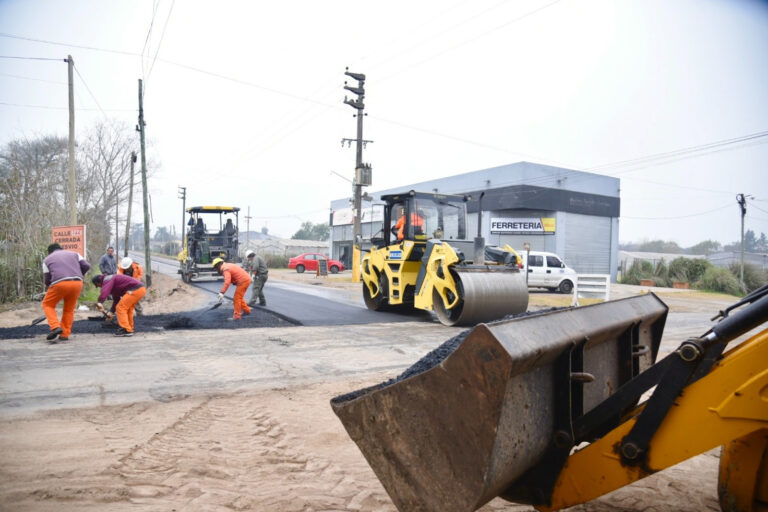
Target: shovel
[
  {"x": 213, "y": 307},
  {"x": 38, "y": 320}
]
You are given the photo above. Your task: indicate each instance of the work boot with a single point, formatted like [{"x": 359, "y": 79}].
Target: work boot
[
  {"x": 123, "y": 333},
  {"x": 54, "y": 334},
  {"x": 263, "y": 303},
  {"x": 63, "y": 338}
]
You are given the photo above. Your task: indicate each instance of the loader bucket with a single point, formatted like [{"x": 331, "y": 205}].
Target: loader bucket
[{"x": 462, "y": 424}]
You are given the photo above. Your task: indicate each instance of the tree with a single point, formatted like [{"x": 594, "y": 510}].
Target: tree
[
  {"x": 660, "y": 246},
  {"x": 311, "y": 231},
  {"x": 34, "y": 174},
  {"x": 705, "y": 247}
]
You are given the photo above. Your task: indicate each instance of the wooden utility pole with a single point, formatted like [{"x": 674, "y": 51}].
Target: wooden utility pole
[
  {"x": 130, "y": 202},
  {"x": 147, "y": 256},
  {"x": 117, "y": 233},
  {"x": 72, "y": 198}
]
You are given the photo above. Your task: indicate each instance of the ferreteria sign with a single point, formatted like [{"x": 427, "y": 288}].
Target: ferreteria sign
[
  {"x": 70, "y": 238},
  {"x": 523, "y": 225}
]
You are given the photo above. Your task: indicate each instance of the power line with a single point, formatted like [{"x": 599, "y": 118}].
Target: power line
[
  {"x": 679, "y": 216},
  {"x": 33, "y": 79},
  {"x": 48, "y": 107},
  {"x": 681, "y": 151},
  {"x": 89, "y": 91},
  {"x": 162, "y": 35},
  {"x": 28, "y": 58}
]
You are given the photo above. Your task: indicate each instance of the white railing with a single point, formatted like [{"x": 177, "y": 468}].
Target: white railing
[{"x": 591, "y": 286}]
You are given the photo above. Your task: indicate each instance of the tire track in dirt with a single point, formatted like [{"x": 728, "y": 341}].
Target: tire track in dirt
[{"x": 231, "y": 454}]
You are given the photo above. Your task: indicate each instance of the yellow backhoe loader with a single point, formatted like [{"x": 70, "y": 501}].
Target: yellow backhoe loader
[
  {"x": 423, "y": 260},
  {"x": 544, "y": 409}
]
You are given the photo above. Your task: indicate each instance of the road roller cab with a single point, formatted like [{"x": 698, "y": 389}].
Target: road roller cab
[{"x": 418, "y": 260}]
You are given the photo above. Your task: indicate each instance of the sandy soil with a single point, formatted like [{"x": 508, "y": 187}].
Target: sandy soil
[{"x": 274, "y": 449}]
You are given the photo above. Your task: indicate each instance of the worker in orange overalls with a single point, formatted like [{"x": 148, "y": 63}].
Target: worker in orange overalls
[
  {"x": 63, "y": 273},
  {"x": 240, "y": 278},
  {"x": 130, "y": 268},
  {"x": 417, "y": 221}
]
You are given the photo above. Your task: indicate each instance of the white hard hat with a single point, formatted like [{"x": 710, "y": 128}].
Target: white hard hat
[
  {"x": 126, "y": 263},
  {"x": 249, "y": 253}
]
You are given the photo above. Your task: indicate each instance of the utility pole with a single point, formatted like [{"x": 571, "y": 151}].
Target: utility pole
[
  {"x": 72, "y": 198},
  {"x": 742, "y": 200},
  {"x": 183, "y": 197},
  {"x": 117, "y": 233},
  {"x": 130, "y": 202},
  {"x": 248, "y": 228},
  {"x": 147, "y": 256},
  {"x": 362, "y": 171}
]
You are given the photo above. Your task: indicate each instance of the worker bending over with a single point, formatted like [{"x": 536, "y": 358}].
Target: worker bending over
[
  {"x": 240, "y": 278},
  {"x": 63, "y": 273},
  {"x": 126, "y": 293},
  {"x": 257, "y": 268}
]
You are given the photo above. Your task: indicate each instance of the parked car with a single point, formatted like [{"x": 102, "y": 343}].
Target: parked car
[
  {"x": 308, "y": 261},
  {"x": 547, "y": 270}
]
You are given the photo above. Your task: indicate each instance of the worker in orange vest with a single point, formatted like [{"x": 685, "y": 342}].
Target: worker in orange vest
[
  {"x": 130, "y": 268},
  {"x": 417, "y": 221},
  {"x": 240, "y": 278}
]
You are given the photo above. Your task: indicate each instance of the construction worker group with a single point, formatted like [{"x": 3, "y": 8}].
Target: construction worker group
[{"x": 64, "y": 273}]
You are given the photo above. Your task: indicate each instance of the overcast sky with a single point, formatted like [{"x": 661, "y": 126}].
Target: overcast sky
[{"x": 243, "y": 99}]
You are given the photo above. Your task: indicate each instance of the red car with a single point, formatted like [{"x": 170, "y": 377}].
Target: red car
[{"x": 308, "y": 261}]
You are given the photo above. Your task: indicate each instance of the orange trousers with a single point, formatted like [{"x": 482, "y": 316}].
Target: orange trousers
[
  {"x": 239, "y": 299},
  {"x": 126, "y": 306},
  {"x": 69, "y": 291}
]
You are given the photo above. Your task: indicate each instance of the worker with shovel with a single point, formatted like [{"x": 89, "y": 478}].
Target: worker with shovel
[
  {"x": 126, "y": 293},
  {"x": 240, "y": 278},
  {"x": 63, "y": 273}
]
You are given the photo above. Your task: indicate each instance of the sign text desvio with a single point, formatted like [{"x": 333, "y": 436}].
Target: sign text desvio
[{"x": 70, "y": 238}]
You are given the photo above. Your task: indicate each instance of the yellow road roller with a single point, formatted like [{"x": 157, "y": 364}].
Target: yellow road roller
[{"x": 422, "y": 259}]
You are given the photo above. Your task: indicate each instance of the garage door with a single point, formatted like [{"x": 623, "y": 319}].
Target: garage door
[{"x": 588, "y": 243}]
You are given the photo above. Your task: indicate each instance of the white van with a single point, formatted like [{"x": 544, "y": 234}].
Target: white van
[{"x": 547, "y": 270}]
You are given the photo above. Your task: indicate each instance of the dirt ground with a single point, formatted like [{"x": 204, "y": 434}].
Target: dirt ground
[{"x": 277, "y": 447}]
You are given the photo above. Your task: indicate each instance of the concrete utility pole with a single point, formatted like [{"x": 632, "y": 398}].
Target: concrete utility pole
[
  {"x": 147, "y": 256},
  {"x": 130, "y": 202},
  {"x": 183, "y": 197},
  {"x": 742, "y": 200},
  {"x": 362, "y": 171},
  {"x": 248, "y": 228},
  {"x": 72, "y": 198}
]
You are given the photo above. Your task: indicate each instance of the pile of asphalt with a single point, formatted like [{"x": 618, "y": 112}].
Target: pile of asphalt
[
  {"x": 198, "y": 319},
  {"x": 429, "y": 361}
]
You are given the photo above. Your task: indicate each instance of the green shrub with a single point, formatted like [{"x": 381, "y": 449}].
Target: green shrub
[
  {"x": 640, "y": 269},
  {"x": 275, "y": 260},
  {"x": 661, "y": 274},
  {"x": 719, "y": 280},
  {"x": 688, "y": 269},
  {"x": 754, "y": 276}
]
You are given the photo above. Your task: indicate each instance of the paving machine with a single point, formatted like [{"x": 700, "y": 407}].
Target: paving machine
[
  {"x": 545, "y": 409},
  {"x": 212, "y": 232},
  {"x": 422, "y": 259}
]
